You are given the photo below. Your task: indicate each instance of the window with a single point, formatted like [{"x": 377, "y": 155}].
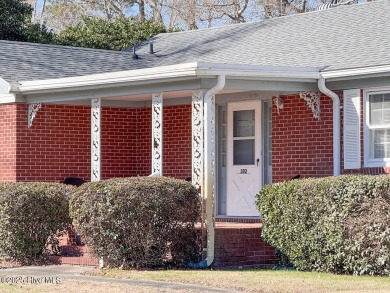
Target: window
[
  {"x": 377, "y": 129},
  {"x": 244, "y": 137}
]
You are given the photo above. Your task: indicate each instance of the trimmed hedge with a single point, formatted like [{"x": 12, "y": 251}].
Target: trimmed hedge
[
  {"x": 334, "y": 224},
  {"x": 32, "y": 217},
  {"x": 138, "y": 222}
]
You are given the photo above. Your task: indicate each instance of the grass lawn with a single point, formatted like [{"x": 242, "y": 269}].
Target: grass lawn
[{"x": 261, "y": 280}]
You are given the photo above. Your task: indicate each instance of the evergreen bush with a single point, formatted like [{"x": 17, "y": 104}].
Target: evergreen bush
[
  {"x": 333, "y": 224},
  {"x": 32, "y": 217},
  {"x": 139, "y": 222}
]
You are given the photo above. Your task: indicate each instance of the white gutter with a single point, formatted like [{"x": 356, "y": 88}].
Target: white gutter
[
  {"x": 234, "y": 70},
  {"x": 209, "y": 166},
  {"x": 186, "y": 70},
  {"x": 336, "y": 124},
  {"x": 342, "y": 73},
  {"x": 108, "y": 79}
]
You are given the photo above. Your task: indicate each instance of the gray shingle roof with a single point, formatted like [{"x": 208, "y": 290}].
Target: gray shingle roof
[
  {"x": 343, "y": 37},
  {"x": 26, "y": 61},
  {"x": 337, "y": 38}
]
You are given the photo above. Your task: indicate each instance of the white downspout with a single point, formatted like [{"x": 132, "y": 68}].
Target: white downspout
[
  {"x": 336, "y": 124},
  {"x": 209, "y": 164}
]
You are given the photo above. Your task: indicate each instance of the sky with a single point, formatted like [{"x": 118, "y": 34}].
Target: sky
[{"x": 133, "y": 10}]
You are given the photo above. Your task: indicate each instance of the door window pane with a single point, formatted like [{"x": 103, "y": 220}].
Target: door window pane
[
  {"x": 244, "y": 123},
  {"x": 244, "y": 152}
]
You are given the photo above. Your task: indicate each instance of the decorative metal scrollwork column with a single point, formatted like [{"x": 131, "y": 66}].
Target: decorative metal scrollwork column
[
  {"x": 32, "y": 112},
  {"x": 157, "y": 140},
  {"x": 313, "y": 102},
  {"x": 197, "y": 137},
  {"x": 209, "y": 149},
  {"x": 95, "y": 139}
]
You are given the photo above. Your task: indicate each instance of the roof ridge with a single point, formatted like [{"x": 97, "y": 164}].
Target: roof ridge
[
  {"x": 280, "y": 18},
  {"x": 62, "y": 47}
]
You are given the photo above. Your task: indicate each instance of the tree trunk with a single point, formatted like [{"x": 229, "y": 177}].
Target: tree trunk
[{"x": 141, "y": 10}]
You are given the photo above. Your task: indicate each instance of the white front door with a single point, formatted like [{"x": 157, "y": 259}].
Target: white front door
[{"x": 243, "y": 158}]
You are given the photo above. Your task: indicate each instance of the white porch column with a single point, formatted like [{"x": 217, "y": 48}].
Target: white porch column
[
  {"x": 95, "y": 139},
  {"x": 198, "y": 151},
  {"x": 208, "y": 190},
  {"x": 157, "y": 136},
  {"x": 197, "y": 138}
]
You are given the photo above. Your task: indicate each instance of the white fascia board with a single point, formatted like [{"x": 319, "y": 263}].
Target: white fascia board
[
  {"x": 158, "y": 74},
  {"x": 8, "y": 98},
  {"x": 258, "y": 71},
  {"x": 5, "y": 87},
  {"x": 108, "y": 79},
  {"x": 363, "y": 71}
]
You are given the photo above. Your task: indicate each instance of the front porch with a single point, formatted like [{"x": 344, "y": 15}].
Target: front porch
[
  {"x": 165, "y": 135},
  {"x": 229, "y": 135}
]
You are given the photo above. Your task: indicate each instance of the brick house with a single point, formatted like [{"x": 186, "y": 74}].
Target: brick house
[{"x": 234, "y": 108}]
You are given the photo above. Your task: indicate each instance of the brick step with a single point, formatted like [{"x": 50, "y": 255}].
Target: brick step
[
  {"x": 74, "y": 250},
  {"x": 241, "y": 245},
  {"x": 69, "y": 260}
]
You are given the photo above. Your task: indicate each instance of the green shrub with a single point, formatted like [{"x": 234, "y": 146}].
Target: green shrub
[
  {"x": 334, "y": 224},
  {"x": 32, "y": 217},
  {"x": 138, "y": 222}
]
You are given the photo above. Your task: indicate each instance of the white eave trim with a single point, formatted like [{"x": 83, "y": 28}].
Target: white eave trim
[
  {"x": 363, "y": 71},
  {"x": 7, "y": 98},
  {"x": 111, "y": 78},
  {"x": 5, "y": 87},
  {"x": 187, "y": 70},
  {"x": 239, "y": 70}
]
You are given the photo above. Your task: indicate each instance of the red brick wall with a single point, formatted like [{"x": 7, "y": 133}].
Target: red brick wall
[
  {"x": 301, "y": 144},
  {"x": 177, "y": 148},
  {"x": 58, "y": 144},
  {"x": 177, "y": 152},
  {"x": 144, "y": 141},
  {"x": 304, "y": 145},
  {"x": 119, "y": 142},
  {"x": 8, "y": 142},
  {"x": 242, "y": 246}
]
